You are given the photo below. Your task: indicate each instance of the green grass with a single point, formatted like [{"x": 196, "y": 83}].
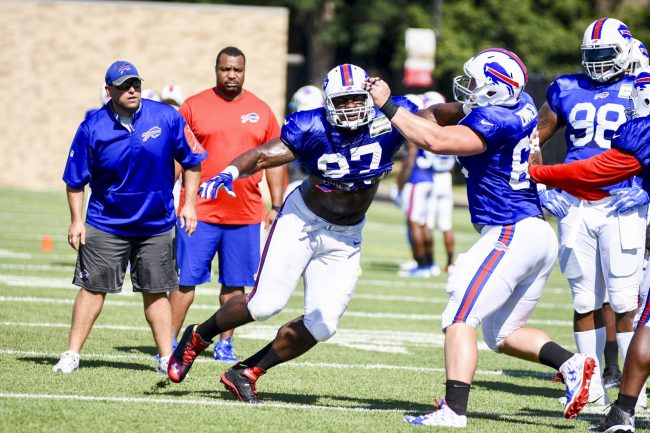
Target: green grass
[{"x": 385, "y": 362}]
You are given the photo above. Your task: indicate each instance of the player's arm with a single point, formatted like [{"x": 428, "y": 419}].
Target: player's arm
[
  {"x": 407, "y": 165},
  {"x": 444, "y": 114},
  {"x": 423, "y": 132},
  {"x": 271, "y": 154},
  {"x": 187, "y": 215},
  {"x": 604, "y": 169},
  {"x": 547, "y": 123}
]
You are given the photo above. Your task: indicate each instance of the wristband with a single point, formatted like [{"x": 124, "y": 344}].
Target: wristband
[
  {"x": 232, "y": 170},
  {"x": 276, "y": 208},
  {"x": 389, "y": 108}
]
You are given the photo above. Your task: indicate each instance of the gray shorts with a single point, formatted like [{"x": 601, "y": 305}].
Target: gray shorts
[{"x": 102, "y": 262}]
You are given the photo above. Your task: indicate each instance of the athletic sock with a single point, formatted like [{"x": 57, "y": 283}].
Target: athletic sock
[
  {"x": 611, "y": 354},
  {"x": 209, "y": 329},
  {"x": 457, "y": 395},
  {"x": 553, "y": 355},
  {"x": 623, "y": 340},
  {"x": 422, "y": 261},
  {"x": 265, "y": 358},
  {"x": 428, "y": 257},
  {"x": 592, "y": 343},
  {"x": 626, "y": 403}
]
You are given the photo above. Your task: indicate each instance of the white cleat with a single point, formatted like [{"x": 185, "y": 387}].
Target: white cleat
[
  {"x": 442, "y": 416},
  {"x": 69, "y": 363}
]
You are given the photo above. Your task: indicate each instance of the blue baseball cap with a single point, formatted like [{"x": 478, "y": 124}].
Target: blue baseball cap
[{"x": 119, "y": 72}]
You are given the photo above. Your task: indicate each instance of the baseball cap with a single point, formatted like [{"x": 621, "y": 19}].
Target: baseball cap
[{"x": 119, "y": 72}]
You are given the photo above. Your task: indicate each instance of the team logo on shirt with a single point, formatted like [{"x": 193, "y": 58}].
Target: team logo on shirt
[
  {"x": 250, "y": 117},
  {"x": 500, "y": 246},
  {"x": 192, "y": 141},
  {"x": 154, "y": 132},
  {"x": 601, "y": 95}
]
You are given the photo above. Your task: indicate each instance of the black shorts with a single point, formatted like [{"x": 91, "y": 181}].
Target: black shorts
[{"x": 103, "y": 260}]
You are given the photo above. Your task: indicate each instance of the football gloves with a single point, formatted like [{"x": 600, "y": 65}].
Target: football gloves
[
  {"x": 211, "y": 187},
  {"x": 628, "y": 198},
  {"x": 553, "y": 201}
]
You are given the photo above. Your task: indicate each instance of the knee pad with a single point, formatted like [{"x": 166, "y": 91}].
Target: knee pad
[
  {"x": 320, "y": 330},
  {"x": 260, "y": 311},
  {"x": 586, "y": 302},
  {"x": 623, "y": 301}
]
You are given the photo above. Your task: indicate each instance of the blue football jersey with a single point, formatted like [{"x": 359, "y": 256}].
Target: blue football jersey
[
  {"x": 443, "y": 163},
  {"x": 499, "y": 189},
  {"x": 344, "y": 159},
  {"x": 423, "y": 168},
  {"x": 634, "y": 138}
]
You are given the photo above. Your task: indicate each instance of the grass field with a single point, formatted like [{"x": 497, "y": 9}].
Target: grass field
[{"x": 386, "y": 360}]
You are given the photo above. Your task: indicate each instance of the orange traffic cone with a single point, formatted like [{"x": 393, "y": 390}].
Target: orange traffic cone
[{"x": 46, "y": 244}]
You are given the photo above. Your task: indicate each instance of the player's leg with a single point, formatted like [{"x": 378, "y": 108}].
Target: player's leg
[
  {"x": 415, "y": 204},
  {"x": 444, "y": 213},
  {"x": 612, "y": 371},
  {"x": 100, "y": 269},
  {"x": 580, "y": 263},
  {"x": 476, "y": 289},
  {"x": 330, "y": 278}
]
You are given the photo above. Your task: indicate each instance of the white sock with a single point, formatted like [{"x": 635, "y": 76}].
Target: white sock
[
  {"x": 592, "y": 343},
  {"x": 623, "y": 339}
]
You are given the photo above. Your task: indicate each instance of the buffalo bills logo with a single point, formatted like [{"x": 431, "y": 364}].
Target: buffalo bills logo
[
  {"x": 250, "y": 117},
  {"x": 124, "y": 68},
  {"x": 642, "y": 80},
  {"x": 498, "y": 75},
  {"x": 644, "y": 50},
  {"x": 601, "y": 95},
  {"x": 499, "y": 246},
  {"x": 154, "y": 132},
  {"x": 625, "y": 32}
]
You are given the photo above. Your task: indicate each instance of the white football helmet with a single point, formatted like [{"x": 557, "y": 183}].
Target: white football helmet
[
  {"x": 306, "y": 98},
  {"x": 492, "y": 77},
  {"x": 431, "y": 98},
  {"x": 639, "y": 58},
  {"x": 150, "y": 94},
  {"x": 347, "y": 80},
  {"x": 606, "y": 49},
  {"x": 640, "y": 98},
  {"x": 416, "y": 99},
  {"x": 172, "y": 94}
]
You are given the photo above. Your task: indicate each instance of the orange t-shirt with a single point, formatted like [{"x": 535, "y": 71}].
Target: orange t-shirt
[{"x": 227, "y": 129}]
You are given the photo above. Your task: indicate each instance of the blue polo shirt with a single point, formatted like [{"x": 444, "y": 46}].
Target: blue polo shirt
[{"x": 131, "y": 170}]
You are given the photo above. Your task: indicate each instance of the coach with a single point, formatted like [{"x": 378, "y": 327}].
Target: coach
[{"x": 125, "y": 151}]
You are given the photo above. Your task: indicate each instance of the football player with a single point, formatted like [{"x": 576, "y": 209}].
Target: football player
[
  {"x": 628, "y": 156},
  {"x": 595, "y": 256},
  {"x": 346, "y": 148},
  {"x": 499, "y": 281}
]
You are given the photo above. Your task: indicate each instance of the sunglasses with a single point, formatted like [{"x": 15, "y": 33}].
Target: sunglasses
[{"x": 136, "y": 84}]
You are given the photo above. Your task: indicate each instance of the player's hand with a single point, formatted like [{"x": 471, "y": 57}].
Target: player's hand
[
  {"x": 210, "y": 187},
  {"x": 378, "y": 89},
  {"x": 553, "y": 201},
  {"x": 628, "y": 198},
  {"x": 77, "y": 234}
]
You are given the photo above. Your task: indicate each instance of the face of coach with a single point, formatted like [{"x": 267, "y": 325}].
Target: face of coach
[
  {"x": 124, "y": 86},
  {"x": 230, "y": 71}
]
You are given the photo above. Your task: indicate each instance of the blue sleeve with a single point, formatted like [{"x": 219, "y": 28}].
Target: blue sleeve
[
  {"x": 405, "y": 103},
  {"x": 632, "y": 137},
  {"x": 291, "y": 133},
  {"x": 482, "y": 124},
  {"x": 187, "y": 149},
  {"x": 77, "y": 171},
  {"x": 553, "y": 97}
]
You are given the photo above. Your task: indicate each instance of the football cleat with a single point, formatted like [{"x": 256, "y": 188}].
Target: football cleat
[
  {"x": 576, "y": 374},
  {"x": 416, "y": 273},
  {"x": 163, "y": 365},
  {"x": 442, "y": 416},
  {"x": 223, "y": 351},
  {"x": 240, "y": 380},
  {"x": 190, "y": 346},
  {"x": 616, "y": 421},
  {"x": 69, "y": 363},
  {"x": 612, "y": 377}
]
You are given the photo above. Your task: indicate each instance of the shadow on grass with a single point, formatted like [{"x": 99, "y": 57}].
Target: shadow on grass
[
  {"x": 88, "y": 363},
  {"x": 381, "y": 267},
  {"x": 146, "y": 350},
  {"x": 521, "y": 389}
]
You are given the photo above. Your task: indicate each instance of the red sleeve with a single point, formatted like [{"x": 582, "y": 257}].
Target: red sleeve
[{"x": 604, "y": 169}]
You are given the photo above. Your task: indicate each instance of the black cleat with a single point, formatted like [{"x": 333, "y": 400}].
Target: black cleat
[
  {"x": 190, "y": 346},
  {"x": 240, "y": 380},
  {"x": 616, "y": 421},
  {"x": 612, "y": 377}
]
